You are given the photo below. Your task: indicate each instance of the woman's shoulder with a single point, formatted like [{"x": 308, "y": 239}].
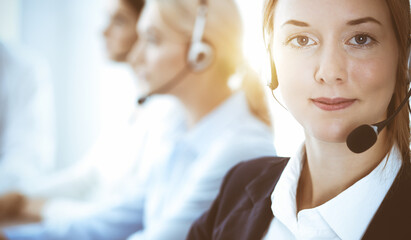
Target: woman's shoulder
[
  {"x": 246, "y": 172},
  {"x": 255, "y": 167}
]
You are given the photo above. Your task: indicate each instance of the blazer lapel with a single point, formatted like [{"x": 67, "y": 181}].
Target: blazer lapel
[
  {"x": 259, "y": 193},
  {"x": 393, "y": 218}
]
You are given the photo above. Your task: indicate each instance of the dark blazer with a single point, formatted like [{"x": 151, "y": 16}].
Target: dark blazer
[{"x": 242, "y": 209}]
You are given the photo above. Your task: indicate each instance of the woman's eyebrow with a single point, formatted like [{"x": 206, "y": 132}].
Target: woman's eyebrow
[
  {"x": 351, "y": 22},
  {"x": 363, "y": 20},
  {"x": 296, "y": 23}
]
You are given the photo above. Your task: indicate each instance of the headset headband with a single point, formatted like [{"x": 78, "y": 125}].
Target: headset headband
[
  {"x": 200, "y": 54},
  {"x": 199, "y": 25}
]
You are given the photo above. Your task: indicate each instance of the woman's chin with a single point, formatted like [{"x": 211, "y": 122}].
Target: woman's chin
[{"x": 330, "y": 134}]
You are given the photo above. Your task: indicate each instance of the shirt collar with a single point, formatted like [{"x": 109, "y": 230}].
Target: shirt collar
[
  {"x": 283, "y": 198},
  {"x": 364, "y": 197}
]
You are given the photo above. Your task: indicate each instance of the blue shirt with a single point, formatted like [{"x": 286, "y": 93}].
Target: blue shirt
[{"x": 183, "y": 178}]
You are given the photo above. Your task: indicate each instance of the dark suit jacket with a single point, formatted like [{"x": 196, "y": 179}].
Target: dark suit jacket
[{"x": 242, "y": 209}]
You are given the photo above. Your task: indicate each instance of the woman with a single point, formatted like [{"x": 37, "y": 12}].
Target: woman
[
  {"x": 339, "y": 64},
  {"x": 189, "y": 156}
]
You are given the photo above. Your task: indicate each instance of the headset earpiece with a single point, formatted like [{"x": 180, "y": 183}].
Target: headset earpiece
[{"x": 200, "y": 56}]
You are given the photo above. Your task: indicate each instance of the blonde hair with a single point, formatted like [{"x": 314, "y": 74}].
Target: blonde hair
[
  {"x": 224, "y": 32},
  {"x": 399, "y": 128}
]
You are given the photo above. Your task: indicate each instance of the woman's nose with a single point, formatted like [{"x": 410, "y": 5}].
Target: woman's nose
[{"x": 331, "y": 67}]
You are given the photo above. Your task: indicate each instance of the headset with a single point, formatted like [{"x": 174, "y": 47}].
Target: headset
[
  {"x": 365, "y": 136},
  {"x": 200, "y": 54}
]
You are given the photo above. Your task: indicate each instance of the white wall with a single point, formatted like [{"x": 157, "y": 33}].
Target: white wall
[
  {"x": 9, "y": 20},
  {"x": 87, "y": 86}
]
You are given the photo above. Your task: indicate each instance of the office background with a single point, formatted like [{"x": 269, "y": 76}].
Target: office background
[{"x": 92, "y": 94}]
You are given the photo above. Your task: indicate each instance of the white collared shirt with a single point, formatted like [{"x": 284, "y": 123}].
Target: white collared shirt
[{"x": 346, "y": 216}]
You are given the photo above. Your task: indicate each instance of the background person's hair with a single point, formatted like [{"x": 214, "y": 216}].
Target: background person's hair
[
  {"x": 399, "y": 129},
  {"x": 223, "y": 31},
  {"x": 137, "y": 5}
]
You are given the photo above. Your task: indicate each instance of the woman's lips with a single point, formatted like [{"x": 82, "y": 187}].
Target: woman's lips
[{"x": 332, "y": 104}]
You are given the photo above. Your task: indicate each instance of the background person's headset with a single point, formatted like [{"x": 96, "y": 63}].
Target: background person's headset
[
  {"x": 365, "y": 136},
  {"x": 200, "y": 54}
]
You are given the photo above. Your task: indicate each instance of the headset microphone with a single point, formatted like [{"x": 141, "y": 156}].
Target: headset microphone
[{"x": 364, "y": 137}]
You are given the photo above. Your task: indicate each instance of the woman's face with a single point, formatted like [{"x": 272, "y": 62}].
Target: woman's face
[
  {"x": 336, "y": 63},
  {"x": 120, "y": 34},
  {"x": 160, "y": 52}
]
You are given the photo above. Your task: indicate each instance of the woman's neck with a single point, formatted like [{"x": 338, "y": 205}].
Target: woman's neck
[
  {"x": 330, "y": 168},
  {"x": 202, "y": 97}
]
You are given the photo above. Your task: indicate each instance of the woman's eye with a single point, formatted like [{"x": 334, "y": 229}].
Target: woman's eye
[
  {"x": 361, "y": 40},
  {"x": 301, "y": 41}
]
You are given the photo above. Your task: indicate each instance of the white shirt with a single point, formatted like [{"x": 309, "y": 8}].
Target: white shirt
[
  {"x": 26, "y": 117},
  {"x": 100, "y": 179},
  {"x": 346, "y": 216},
  {"x": 186, "y": 170}
]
